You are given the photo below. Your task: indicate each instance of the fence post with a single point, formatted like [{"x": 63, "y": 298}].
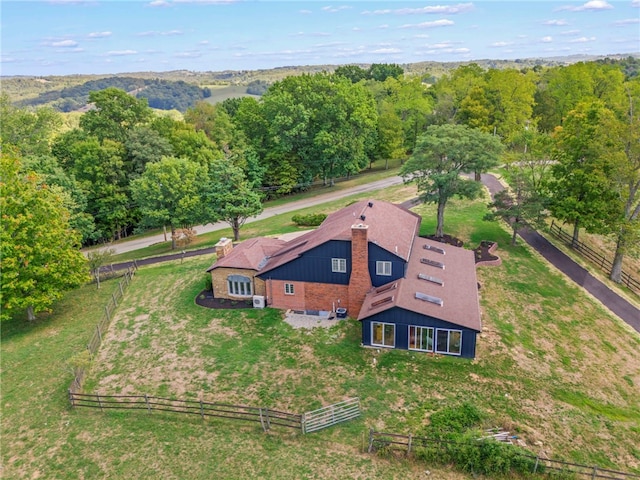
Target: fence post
[
  {"x": 409, "y": 445},
  {"x": 266, "y": 411},
  {"x": 99, "y": 401},
  {"x": 146, "y": 400},
  {"x": 370, "y": 440},
  {"x": 595, "y": 472},
  {"x": 201, "y": 410},
  {"x": 106, "y": 311},
  {"x": 535, "y": 467},
  {"x": 99, "y": 333},
  {"x": 71, "y": 398},
  {"x": 121, "y": 291},
  {"x": 113, "y": 296},
  {"x": 261, "y": 419},
  {"x": 303, "y": 422}
]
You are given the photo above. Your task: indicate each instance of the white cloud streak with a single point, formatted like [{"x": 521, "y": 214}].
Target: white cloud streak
[{"x": 438, "y": 23}]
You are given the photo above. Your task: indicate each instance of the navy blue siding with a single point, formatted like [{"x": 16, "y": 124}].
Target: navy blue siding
[
  {"x": 398, "y": 265},
  {"x": 403, "y": 318},
  {"x": 315, "y": 265}
]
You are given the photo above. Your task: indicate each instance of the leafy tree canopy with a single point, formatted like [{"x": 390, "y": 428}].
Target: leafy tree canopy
[{"x": 40, "y": 252}]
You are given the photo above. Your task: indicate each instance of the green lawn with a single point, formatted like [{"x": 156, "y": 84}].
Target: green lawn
[{"x": 552, "y": 366}]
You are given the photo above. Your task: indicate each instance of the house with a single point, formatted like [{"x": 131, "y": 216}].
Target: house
[{"x": 407, "y": 291}]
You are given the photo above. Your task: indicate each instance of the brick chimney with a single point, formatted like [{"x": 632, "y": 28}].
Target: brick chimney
[
  {"x": 223, "y": 247},
  {"x": 360, "y": 281}
]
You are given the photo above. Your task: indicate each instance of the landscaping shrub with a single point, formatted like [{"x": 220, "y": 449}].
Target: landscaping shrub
[
  {"x": 310, "y": 220},
  {"x": 454, "y": 419},
  {"x": 456, "y": 434}
]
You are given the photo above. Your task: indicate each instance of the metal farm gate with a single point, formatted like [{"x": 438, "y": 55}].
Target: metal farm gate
[{"x": 328, "y": 416}]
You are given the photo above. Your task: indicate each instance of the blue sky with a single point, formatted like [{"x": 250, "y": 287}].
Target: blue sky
[{"x": 61, "y": 37}]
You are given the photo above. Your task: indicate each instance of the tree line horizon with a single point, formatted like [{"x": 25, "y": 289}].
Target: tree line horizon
[{"x": 568, "y": 137}]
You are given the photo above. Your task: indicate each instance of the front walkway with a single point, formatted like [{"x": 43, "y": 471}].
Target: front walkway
[{"x": 301, "y": 320}]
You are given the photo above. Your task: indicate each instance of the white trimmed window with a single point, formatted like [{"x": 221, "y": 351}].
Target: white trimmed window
[
  {"x": 339, "y": 265},
  {"x": 383, "y": 334},
  {"x": 421, "y": 338},
  {"x": 288, "y": 289},
  {"x": 239, "y": 285},
  {"x": 383, "y": 268},
  {"x": 449, "y": 341}
]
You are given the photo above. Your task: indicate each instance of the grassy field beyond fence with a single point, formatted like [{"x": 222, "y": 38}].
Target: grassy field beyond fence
[{"x": 552, "y": 366}]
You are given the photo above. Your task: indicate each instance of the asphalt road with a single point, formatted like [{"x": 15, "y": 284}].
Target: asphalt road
[{"x": 138, "y": 243}]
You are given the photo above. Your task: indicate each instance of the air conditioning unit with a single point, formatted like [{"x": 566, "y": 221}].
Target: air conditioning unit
[{"x": 258, "y": 301}]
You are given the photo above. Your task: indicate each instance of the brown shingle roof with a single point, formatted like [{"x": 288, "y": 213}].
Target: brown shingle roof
[
  {"x": 250, "y": 254},
  {"x": 455, "y": 285},
  {"x": 391, "y": 227}
]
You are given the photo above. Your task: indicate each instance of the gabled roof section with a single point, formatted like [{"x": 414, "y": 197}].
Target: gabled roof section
[
  {"x": 453, "y": 297},
  {"x": 251, "y": 254},
  {"x": 391, "y": 227}
]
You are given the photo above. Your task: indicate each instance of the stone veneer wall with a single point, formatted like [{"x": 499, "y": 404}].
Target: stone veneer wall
[{"x": 219, "y": 282}]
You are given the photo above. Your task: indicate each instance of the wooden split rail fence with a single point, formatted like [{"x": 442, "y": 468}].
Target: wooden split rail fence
[
  {"x": 378, "y": 440},
  {"x": 595, "y": 257},
  {"x": 267, "y": 417},
  {"x": 102, "y": 325},
  {"x": 309, "y": 422}
]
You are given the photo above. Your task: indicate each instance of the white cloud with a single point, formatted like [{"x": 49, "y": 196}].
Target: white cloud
[
  {"x": 387, "y": 51},
  {"x": 207, "y": 2},
  {"x": 191, "y": 54},
  {"x": 583, "y": 40},
  {"x": 556, "y": 23},
  {"x": 154, "y": 33},
  {"x": 437, "y": 23},
  {"x": 332, "y": 9},
  {"x": 121, "y": 53},
  {"x": 437, "y": 9},
  {"x": 431, "y": 9},
  {"x": 7, "y": 59},
  {"x": 591, "y": 5},
  {"x": 627, "y": 21},
  {"x": 64, "y": 44},
  {"x": 635, "y": 3},
  {"x": 158, "y": 3},
  {"x": 99, "y": 34},
  {"x": 546, "y": 39},
  {"x": 203, "y": 42},
  {"x": 570, "y": 32},
  {"x": 71, "y": 50},
  {"x": 383, "y": 27},
  {"x": 501, "y": 44},
  {"x": 305, "y": 12}
]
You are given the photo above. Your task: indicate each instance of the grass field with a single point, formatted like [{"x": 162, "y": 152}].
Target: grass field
[{"x": 552, "y": 366}]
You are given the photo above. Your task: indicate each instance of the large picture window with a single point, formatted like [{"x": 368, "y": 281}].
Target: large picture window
[
  {"x": 239, "y": 285},
  {"x": 383, "y": 334},
  {"x": 339, "y": 265},
  {"x": 421, "y": 338},
  {"x": 383, "y": 268},
  {"x": 449, "y": 341}
]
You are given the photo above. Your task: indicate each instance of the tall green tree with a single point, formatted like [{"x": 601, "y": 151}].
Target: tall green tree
[
  {"x": 172, "y": 192},
  {"x": 621, "y": 149},
  {"x": 115, "y": 112},
  {"x": 27, "y": 133},
  {"x": 323, "y": 123},
  {"x": 40, "y": 252},
  {"x": 580, "y": 189},
  {"x": 443, "y": 153},
  {"x": 520, "y": 205},
  {"x": 100, "y": 170},
  {"x": 231, "y": 197}
]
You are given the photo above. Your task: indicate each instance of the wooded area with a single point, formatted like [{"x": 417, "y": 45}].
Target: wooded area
[{"x": 567, "y": 137}]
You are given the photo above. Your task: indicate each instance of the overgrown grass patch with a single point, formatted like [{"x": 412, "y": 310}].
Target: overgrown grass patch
[{"x": 552, "y": 365}]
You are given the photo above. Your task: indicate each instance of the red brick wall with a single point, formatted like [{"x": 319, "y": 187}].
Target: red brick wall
[
  {"x": 308, "y": 296},
  {"x": 278, "y": 299},
  {"x": 360, "y": 281},
  {"x": 326, "y": 296}
]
